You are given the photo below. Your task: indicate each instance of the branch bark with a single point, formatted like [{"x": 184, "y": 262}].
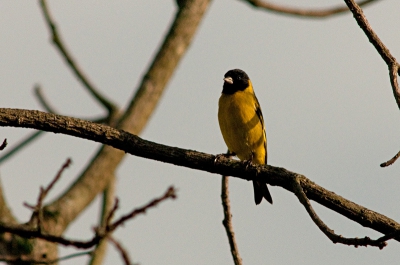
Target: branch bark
[
  {"x": 134, "y": 145},
  {"x": 96, "y": 176},
  {"x": 227, "y": 222}
]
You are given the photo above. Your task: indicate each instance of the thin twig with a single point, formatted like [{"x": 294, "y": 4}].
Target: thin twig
[
  {"x": 300, "y": 12},
  {"x": 3, "y": 145},
  {"x": 391, "y": 161},
  {"x": 56, "y": 178},
  {"x": 121, "y": 250},
  {"x": 227, "y": 222},
  {"x": 169, "y": 194},
  {"x": 366, "y": 241},
  {"x": 93, "y": 90},
  {"x": 18, "y": 259},
  {"x": 100, "y": 232},
  {"x": 38, "y": 210}
]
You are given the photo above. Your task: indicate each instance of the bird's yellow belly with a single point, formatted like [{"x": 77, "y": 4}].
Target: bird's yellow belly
[{"x": 242, "y": 130}]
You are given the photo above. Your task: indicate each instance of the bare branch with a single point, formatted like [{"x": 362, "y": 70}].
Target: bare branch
[
  {"x": 38, "y": 209},
  {"x": 384, "y": 52},
  {"x": 134, "y": 145},
  {"x": 101, "y": 232},
  {"x": 170, "y": 193},
  {"x": 95, "y": 177},
  {"x": 56, "y": 178},
  {"x": 172, "y": 50},
  {"x": 366, "y": 241},
  {"x": 227, "y": 222},
  {"x": 93, "y": 90},
  {"x": 391, "y": 161},
  {"x": 300, "y": 12}
]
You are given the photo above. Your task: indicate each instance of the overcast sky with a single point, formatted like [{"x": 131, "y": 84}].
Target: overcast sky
[{"x": 325, "y": 95}]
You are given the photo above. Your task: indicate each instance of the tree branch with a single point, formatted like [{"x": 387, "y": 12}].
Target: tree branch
[
  {"x": 57, "y": 40},
  {"x": 300, "y": 12},
  {"x": 227, "y": 222},
  {"x": 384, "y": 52},
  {"x": 134, "y": 145},
  {"x": 96, "y": 176},
  {"x": 101, "y": 232},
  {"x": 366, "y": 241}
]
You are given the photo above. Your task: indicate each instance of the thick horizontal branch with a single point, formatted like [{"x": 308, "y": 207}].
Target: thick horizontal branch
[{"x": 134, "y": 145}]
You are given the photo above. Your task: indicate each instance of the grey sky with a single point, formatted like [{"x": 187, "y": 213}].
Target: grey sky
[{"x": 323, "y": 89}]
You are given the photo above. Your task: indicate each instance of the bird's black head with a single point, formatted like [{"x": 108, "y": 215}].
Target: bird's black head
[{"x": 235, "y": 80}]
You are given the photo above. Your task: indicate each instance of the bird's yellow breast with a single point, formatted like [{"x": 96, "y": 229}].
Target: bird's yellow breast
[{"x": 241, "y": 127}]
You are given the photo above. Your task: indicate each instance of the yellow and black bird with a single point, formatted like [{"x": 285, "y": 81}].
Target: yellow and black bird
[{"x": 242, "y": 125}]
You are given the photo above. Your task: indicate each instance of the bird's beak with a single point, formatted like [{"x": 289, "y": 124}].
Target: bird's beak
[{"x": 228, "y": 80}]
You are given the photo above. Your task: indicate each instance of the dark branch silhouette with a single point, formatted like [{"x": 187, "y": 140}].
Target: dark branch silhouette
[
  {"x": 101, "y": 232},
  {"x": 227, "y": 222},
  {"x": 390, "y": 60},
  {"x": 134, "y": 145},
  {"x": 366, "y": 241}
]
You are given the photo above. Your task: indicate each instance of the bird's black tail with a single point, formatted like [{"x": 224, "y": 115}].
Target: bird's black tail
[{"x": 260, "y": 191}]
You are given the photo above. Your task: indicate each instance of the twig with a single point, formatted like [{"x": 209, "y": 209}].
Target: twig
[
  {"x": 132, "y": 144},
  {"x": 38, "y": 210},
  {"x": 100, "y": 232},
  {"x": 71, "y": 62},
  {"x": 391, "y": 161},
  {"x": 3, "y": 145},
  {"x": 42, "y": 99},
  {"x": 18, "y": 259},
  {"x": 56, "y": 178},
  {"x": 121, "y": 250},
  {"x": 90, "y": 183},
  {"x": 306, "y": 13},
  {"x": 19, "y": 146},
  {"x": 227, "y": 222},
  {"x": 170, "y": 193},
  {"x": 366, "y": 241}
]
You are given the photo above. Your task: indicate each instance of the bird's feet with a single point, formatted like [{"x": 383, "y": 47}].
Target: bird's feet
[
  {"x": 248, "y": 163},
  {"x": 225, "y": 155}
]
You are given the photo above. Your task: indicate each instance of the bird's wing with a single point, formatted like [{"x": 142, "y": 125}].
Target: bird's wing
[{"x": 260, "y": 117}]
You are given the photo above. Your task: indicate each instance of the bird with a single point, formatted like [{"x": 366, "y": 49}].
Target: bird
[{"x": 242, "y": 125}]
